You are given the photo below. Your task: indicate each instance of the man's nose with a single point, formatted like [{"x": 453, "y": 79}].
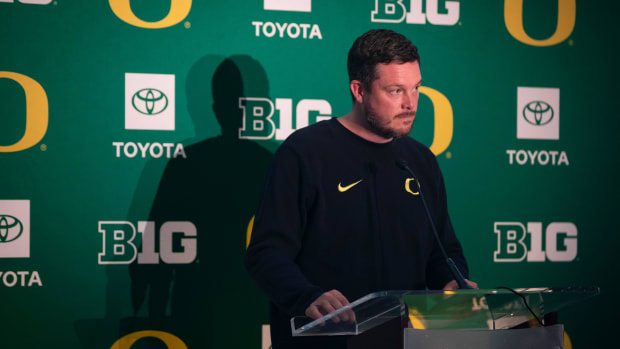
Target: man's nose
[{"x": 408, "y": 101}]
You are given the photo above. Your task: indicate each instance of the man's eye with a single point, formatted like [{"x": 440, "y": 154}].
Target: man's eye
[{"x": 396, "y": 91}]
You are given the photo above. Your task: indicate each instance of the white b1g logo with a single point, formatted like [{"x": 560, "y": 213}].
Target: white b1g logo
[
  {"x": 394, "y": 11},
  {"x": 258, "y": 116},
  {"x": 118, "y": 246},
  {"x": 560, "y": 242}
]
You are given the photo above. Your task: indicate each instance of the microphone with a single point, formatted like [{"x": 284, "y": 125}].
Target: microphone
[{"x": 460, "y": 280}]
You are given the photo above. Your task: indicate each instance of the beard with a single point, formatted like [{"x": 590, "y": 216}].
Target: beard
[{"x": 382, "y": 128}]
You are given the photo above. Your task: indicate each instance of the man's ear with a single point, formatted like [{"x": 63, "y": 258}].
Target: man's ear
[{"x": 357, "y": 90}]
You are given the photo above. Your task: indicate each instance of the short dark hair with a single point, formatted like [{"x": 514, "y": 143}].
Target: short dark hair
[{"x": 378, "y": 46}]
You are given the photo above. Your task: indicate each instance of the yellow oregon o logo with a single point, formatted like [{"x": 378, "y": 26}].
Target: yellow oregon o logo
[
  {"x": 248, "y": 232},
  {"x": 36, "y": 112},
  {"x": 171, "y": 341},
  {"x": 408, "y": 188},
  {"x": 567, "y": 342},
  {"x": 513, "y": 17},
  {"x": 444, "y": 120},
  {"x": 179, "y": 9}
]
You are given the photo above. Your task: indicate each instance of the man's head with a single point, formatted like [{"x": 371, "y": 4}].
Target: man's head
[
  {"x": 384, "y": 75},
  {"x": 378, "y": 46}
]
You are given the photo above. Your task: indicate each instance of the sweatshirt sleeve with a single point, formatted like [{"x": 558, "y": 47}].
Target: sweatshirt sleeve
[
  {"x": 438, "y": 273},
  {"x": 277, "y": 235}
]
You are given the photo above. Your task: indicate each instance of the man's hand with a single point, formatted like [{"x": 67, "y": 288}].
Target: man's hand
[
  {"x": 328, "y": 302},
  {"x": 452, "y": 285}
]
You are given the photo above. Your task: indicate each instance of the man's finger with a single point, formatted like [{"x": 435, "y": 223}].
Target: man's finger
[
  {"x": 342, "y": 302},
  {"x": 329, "y": 302},
  {"x": 349, "y": 316},
  {"x": 325, "y": 308},
  {"x": 352, "y": 315},
  {"x": 341, "y": 298},
  {"x": 472, "y": 284},
  {"x": 335, "y": 303},
  {"x": 338, "y": 295},
  {"x": 451, "y": 286},
  {"x": 313, "y": 312}
]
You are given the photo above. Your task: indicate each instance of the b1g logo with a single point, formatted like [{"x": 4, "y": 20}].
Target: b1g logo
[
  {"x": 513, "y": 245},
  {"x": 513, "y": 17},
  {"x": 14, "y": 228},
  {"x": 258, "y": 116},
  {"x": 36, "y": 112},
  {"x": 394, "y": 11},
  {"x": 179, "y": 9},
  {"x": 118, "y": 246}
]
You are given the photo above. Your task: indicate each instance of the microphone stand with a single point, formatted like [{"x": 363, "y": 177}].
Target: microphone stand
[{"x": 460, "y": 280}]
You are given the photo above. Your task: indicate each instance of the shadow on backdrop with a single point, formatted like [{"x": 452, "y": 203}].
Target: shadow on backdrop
[
  {"x": 213, "y": 302},
  {"x": 210, "y": 302}
]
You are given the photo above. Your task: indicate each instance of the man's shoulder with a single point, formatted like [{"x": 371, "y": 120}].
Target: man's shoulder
[
  {"x": 409, "y": 144},
  {"x": 312, "y": 136}
]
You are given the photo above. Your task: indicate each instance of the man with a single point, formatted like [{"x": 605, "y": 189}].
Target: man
[{"x": 338, "y": 218}]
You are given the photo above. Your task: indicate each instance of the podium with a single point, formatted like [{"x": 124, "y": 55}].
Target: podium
[{"x": 490, "y": 318}]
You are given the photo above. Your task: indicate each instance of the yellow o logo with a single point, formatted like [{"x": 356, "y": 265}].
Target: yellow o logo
[
  {"x": 248, "y": 232},
  {"x": 513, "y": 17},
  {"x": 179, "y": 9},
  {"x": 171, "y": 341},
  {"x": 36, "y": 112},
  {"x": 444, "y": 120},
  {"x": 567, "y": 343},
  {"x": 408, "y": 188}
]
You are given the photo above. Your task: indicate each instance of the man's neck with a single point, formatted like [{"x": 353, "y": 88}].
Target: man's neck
[{"x": 356, "y": 123}]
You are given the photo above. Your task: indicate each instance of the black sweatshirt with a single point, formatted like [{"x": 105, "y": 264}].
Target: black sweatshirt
[{"x": 314, "y": 231}]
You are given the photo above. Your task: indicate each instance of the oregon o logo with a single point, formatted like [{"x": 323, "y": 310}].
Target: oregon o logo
[
  {"x": 171, "y": 341},
  {"x": 567, "y": 342},
  {"x": 179, "y": 9},
  {"x": 513, "y": 17},
  {"x": 10, "y": 228},
  {"x": 408, "y": 187},
  {"x": 538, "y": 113},
  {"x": 444, "y": 120},
  {"x": 36, "y": 112},
  {"x": 149, "y": 101},
  {"x": 248, "y": 232}
]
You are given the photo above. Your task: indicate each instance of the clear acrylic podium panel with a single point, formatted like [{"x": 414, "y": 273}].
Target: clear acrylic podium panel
[{"x": 489, "y": 309}]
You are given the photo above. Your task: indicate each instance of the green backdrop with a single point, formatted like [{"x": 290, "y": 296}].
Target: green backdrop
[{"x": 119, "y": 112}]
